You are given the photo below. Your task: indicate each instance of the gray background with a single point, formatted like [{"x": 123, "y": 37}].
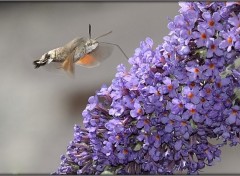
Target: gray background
[{"x": 38, "y": 108}]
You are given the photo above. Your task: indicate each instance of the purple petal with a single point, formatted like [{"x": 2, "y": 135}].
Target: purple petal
[
  {"x": 231, "y": 119},
  {"x": 200, "y": 43},
  {"x": 216, "y": 16},
  {"x": 223, "y": 44},
  {"x": 178, "y": 145},
  {"x": 184, "y": 50},
  {"x": 233, "y": 21},
  {"x": 167, "y": 81},
  {"x": 168, "y": 128},
  {"x": 206, "y": 16},
  {"x": 186, "y": 115},
  {"x": 229, "y": 48},
  {"x": 149, "y": 41},
  {"x": 218, "y": 52},
  {"x": 195, "y": 100},
  {"x": 197, "y": 118},
  {"x": 237, "y": 45},
  {"x": 209, "y": 53},
  {"x": 164, "y": 120}
]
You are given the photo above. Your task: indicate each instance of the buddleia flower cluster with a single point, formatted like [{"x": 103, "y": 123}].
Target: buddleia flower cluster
[{"x": 160, "y": 116}]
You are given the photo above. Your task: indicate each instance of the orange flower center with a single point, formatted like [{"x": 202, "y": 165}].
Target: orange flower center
[
  {"x": 234, "y": 112},
  {"x": 125, "y": 151},
  {"x": 180, "y": 105},
  {"x": 190, "y": 95},
  {"x": 213, "y": 47},
  {"x": 203, "y": 36},
  {"x": 229, "y": 40},
  {"x": 146, "y": 121},
  {"x": 192, "y": 84},
  {"x": 211, "y": 66},
  {"x": 193, "y": 111},
  {"x": 117, "y": 137},
  {"x": 208, "y": 90},
  {"x": 183, "y": 123},
  {"x": 158, "y": 93},
  {"x": 139, "y": 111},
  {"x": 196, "y": 70},
  {"x": 170, "y": 87},
  {"x": 203, "y": 99},
  {"x": 219, "y": 84},
  {"x": 211, "y": 23}
]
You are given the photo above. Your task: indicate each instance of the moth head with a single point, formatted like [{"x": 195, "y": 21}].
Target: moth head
[{"x": 91, "y": 45}]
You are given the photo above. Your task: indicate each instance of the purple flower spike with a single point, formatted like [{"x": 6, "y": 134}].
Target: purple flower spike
[{"x": 160, "y": 116}]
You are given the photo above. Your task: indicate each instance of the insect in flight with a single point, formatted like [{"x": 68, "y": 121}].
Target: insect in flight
[{"x": 86, "y": 52}]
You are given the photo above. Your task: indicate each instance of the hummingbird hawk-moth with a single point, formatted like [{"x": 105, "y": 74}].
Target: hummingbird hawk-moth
[{"x": 86, "y": 52}]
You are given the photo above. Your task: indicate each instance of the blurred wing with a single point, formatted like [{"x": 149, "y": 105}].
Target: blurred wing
[
  {"x": 97, "y": 56},
  {"x": 88, "y": 61},
  {"x": 80, "y": 52},
  {"x": 67, "y": 65}
]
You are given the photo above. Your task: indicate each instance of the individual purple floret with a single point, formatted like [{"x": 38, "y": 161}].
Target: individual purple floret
[
  {"x": 79, "y": 158},
  {"x": 159, "y": 117}
]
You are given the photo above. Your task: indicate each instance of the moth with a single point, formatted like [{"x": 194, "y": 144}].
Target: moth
[{"x": 86, "y": 52}]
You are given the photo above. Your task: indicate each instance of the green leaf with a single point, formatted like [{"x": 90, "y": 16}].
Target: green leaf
[
  {"x": 193, "y": 125},
  {"x": 202, "y": 52},
  {"x": 138, "y": 146},
  {"x": 237, "y": 63},
  {"x": 107, "y": 172},
  {"x": 236, "y": 94},
  {"x": 227, "y": 71}
]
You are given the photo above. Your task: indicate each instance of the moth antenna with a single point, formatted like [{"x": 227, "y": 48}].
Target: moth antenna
[
  {"x": 118, "y": 47},
  {"x": 90, "y": 31},
  {"x": 103, "y": 35}
]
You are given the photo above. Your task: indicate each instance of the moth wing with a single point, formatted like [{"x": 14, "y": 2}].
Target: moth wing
[
  {"x": 88, "y": 61},
  {"x": 67, "y": 65},
  {"x": 77, "y": 42},
  {"x": 80, "y": 52},
  {"x": 97, "y": 56}
]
